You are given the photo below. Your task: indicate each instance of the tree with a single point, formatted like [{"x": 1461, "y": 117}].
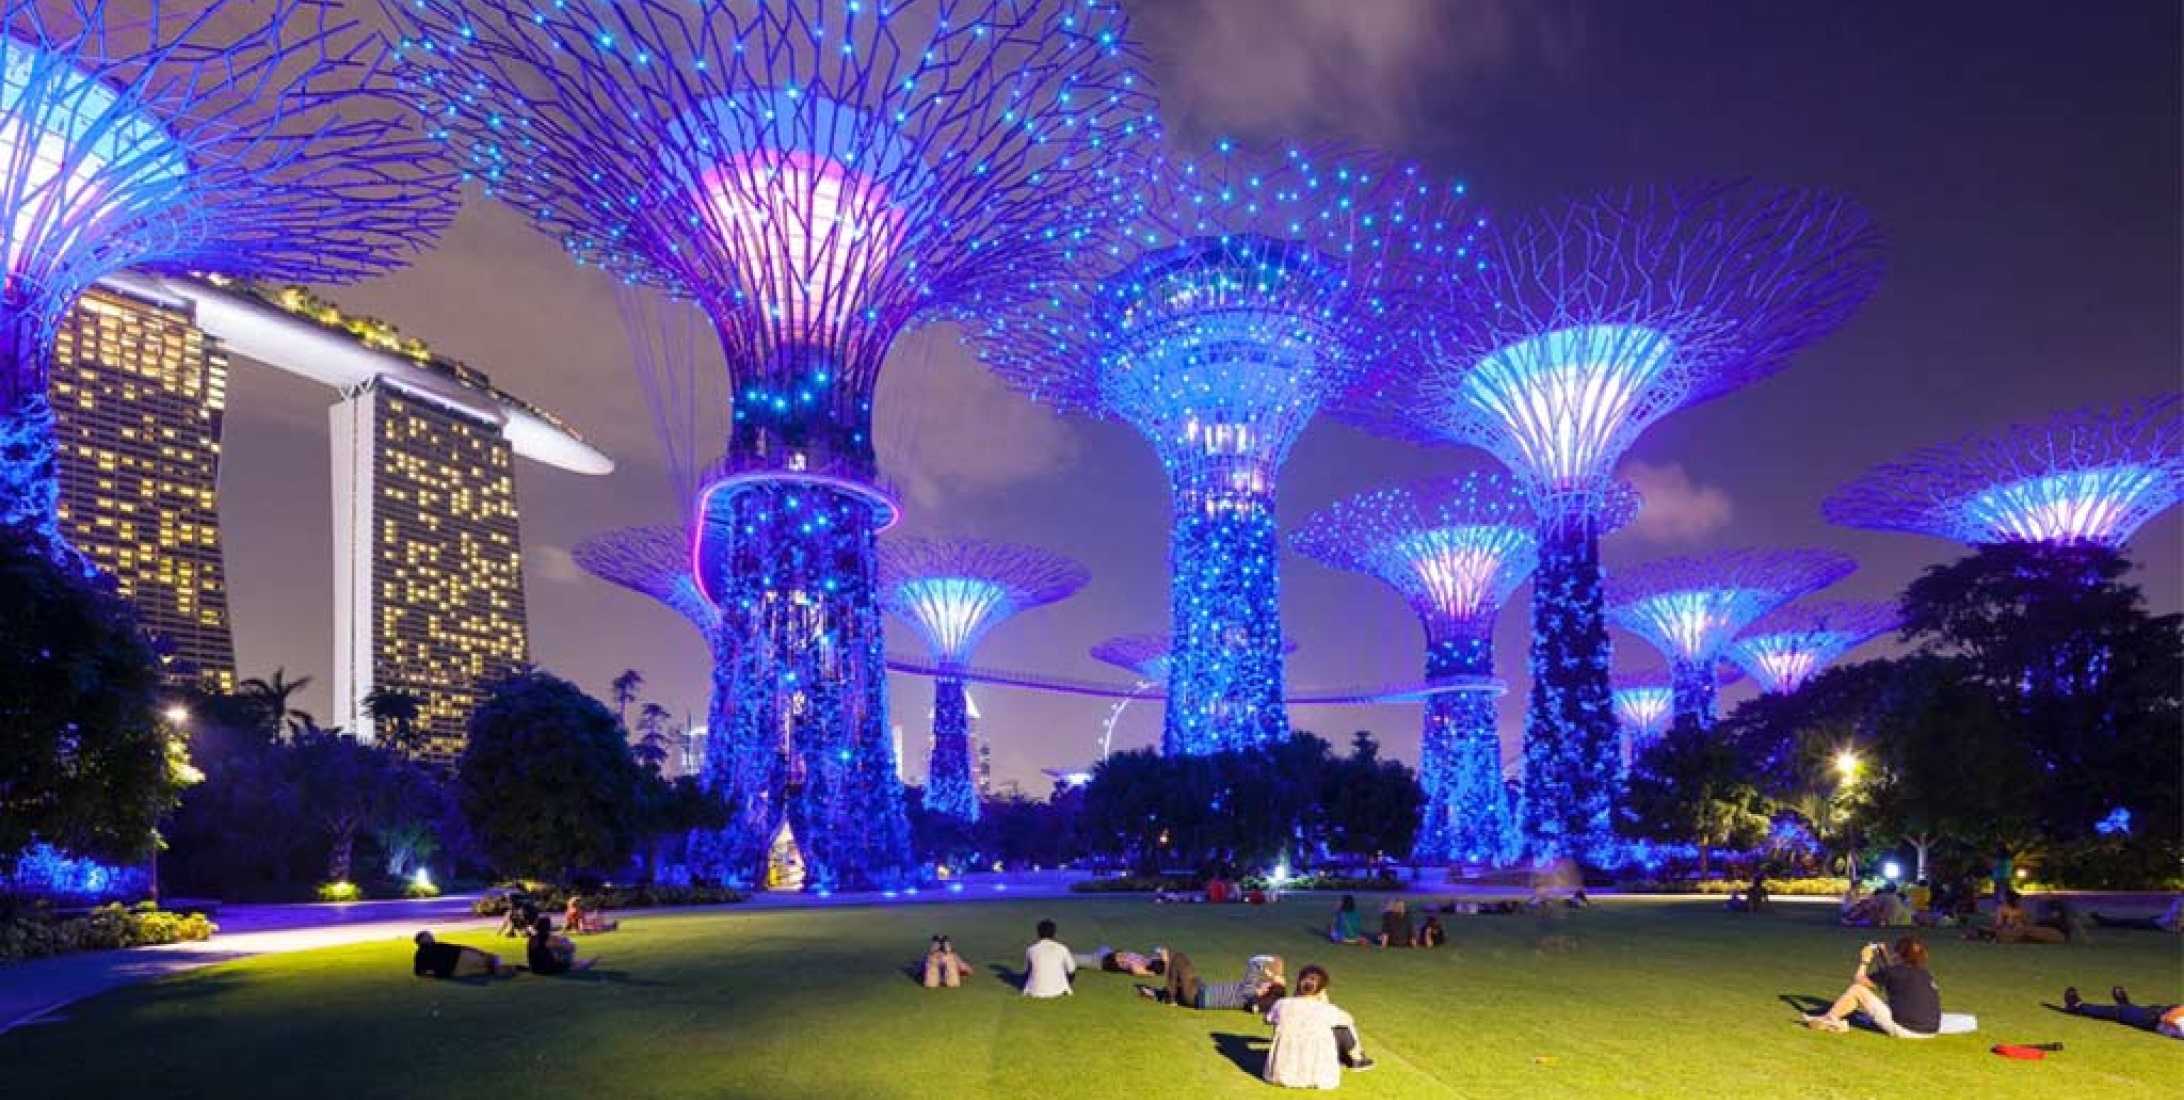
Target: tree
[
  {"x": 348, "y": 788},
  {"x": 1370, "y": 804},
  {"x": 547, "y": 782},
  {"x": 396, "y": 712},
  {"x": 625, "y": 688},
  {"x": 86, "y": 763},
  {"x": 653, "y": 721},
  {"x": 1690, "y": 785},
  {"x": 274, "y": 700},
  {"x": 1950, "y": 765}
]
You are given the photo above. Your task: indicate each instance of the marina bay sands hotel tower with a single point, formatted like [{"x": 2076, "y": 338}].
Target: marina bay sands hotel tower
[{"x": 428, "y": 579}]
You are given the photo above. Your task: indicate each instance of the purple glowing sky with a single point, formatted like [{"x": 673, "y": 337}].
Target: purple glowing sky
[{"x": 2024, "y": 167}]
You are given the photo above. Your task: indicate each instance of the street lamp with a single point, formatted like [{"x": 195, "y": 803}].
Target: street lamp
[
  {"x": 1846, "y": 765},
  {"x": 177, "y": 715},
  {"x": 1846, "y": 769}
]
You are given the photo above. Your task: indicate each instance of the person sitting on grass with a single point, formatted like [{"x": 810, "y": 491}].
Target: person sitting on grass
[
  {"x": 579, "y": 917},
  {"x": 2165, "y": 1020},
  {"x": 1395, "y": 925},
  {"x": 1048, "y": 965},
  {"x": 1346, "y": 927},
  {"x": 1893, "y": 989},
  {"x": 1313, "y": 1039},
  {"x": 451, "y": 960},
  {"x": 547, "y": 953},
  {"x": 2170, "y": 920},
  {"x": 2011, "y": 925},
  {"x": 1432, "y": 934},
  {"x": 943, "y": 967},
  {"x": 1753, "y": 898}
]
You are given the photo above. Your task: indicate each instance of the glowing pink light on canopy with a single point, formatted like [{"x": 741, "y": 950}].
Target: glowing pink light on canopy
[
  {"x": 1464, "y": 570},
  {"x": 808, "y": 236},
  {"x": 1690, "y": 608},
  {"x": 952, "y": 612},
  {"x": 2075, "y": 506},
  {"x": 1644, "y": 708},
  {"x": 1791, "y": 646}
]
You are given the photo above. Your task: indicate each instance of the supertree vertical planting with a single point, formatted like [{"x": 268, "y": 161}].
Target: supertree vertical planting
[
  {"x": 1455, "y": 549},
  {"x": 1691, "y": 608},
  {"x": 952, "y": 592},
  {"x": 1251, "y": 291},
  {"x": 2093, "y": 476},
  {"x": 817, "y": 176},
  {"x": 1592, "y": 322},
  {"x": 1790, "y": 646},
  {"x": 254, "y": 140}
]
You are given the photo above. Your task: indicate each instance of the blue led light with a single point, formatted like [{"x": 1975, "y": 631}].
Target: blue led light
[{"x": 1785, "y": 649}]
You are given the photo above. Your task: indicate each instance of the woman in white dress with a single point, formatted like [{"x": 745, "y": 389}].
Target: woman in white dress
[{"x": 1313, "y": 1039}]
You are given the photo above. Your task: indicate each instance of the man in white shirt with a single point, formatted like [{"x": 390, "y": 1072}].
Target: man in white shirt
[{"x": 1048, "y": 965}]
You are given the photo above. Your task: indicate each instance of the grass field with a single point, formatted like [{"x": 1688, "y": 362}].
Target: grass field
[{"x": 1655, "y": 998}]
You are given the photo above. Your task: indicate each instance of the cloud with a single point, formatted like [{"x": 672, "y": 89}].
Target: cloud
[
  {"x": 553, "y": 564},
  {"x": 1676, "y": 508},
  {"x": 948, "y": 430},
  {"x": 1364, "y": 68}
]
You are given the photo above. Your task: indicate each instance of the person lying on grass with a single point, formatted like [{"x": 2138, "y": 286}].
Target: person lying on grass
[
  {"x": 1893, "y": 989},
  {"x": 942, "y": 966},
  {"x": 450, "y": 960},
  {"x": 1124, "y": 962},
  {"x": 1313, "y": 1039},
  {"x": 2165, "y": 1020},
  {"x": 1263, "y": 984},
  {"x": 547, "y": 953}
]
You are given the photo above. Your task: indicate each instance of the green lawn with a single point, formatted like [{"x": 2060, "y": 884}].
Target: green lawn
[{"x": 1655, "y": 998}]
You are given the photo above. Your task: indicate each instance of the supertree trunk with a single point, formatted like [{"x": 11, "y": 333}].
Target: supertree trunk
[
  {"x": 951, "y": 790},
  {"x": 1467, "y": 817},
  {"x": 800, "y": 673},
  {"x": 30, "y": 487},
  {"x": 1572, "y": 749},
  {"x": 1694, "y": 685},
  {"x": 1225, "y": 680}
]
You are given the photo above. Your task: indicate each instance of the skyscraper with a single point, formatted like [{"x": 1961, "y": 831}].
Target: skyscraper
[
  {"x": 139, "y": 392},
  {"x": 428, "y": 576}
]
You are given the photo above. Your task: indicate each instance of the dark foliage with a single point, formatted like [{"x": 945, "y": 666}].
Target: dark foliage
[{"x": 547, "y": 782}]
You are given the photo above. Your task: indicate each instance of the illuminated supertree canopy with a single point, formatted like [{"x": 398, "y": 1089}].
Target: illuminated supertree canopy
[
  {"x": 1790, "y": 646},
  {"x": 1455, "y": 549},
  {"x": 952, "y": 592},
  {"x": 653, "y": 561},
  {"x": 1645, "y": 703},
  {"x": 817, "y": 176},
  {"x": 1591, "y": 322},
  {"x": 1251, "y": 291},
  {"x": 2093, "y": 476},
  {"x": 254, "y": 140},
  {"x": 1691, "y": 608}
]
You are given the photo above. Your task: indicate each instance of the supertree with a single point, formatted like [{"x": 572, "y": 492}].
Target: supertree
[
  {"x": 1144, "y": 654},
  {"x": 1251, "y": 291},
  {"x": 1790, "y": 646},
  {"x": 651, "y": 561},
  {"x": 952, "y": 592},
  {"x": 1691, "y": 608},
  {"x": 1645, "y": 702},
  {"x": 1593, "y": 321},
  {"x": 2093, "y": 476},
  {"x": 817, "y": 176},
  {"x": 253, "y": 140},
  {"x": 1455, "y": 549}
]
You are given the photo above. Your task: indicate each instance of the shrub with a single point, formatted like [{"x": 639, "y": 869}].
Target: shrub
[
  {"x": 1824, "y": 886},
  {"x": 658, "y": 895},
  {"x": 340, "y": 891},
  {"x": 106, "y": 928},
  {"x": 416, "y": 889}
]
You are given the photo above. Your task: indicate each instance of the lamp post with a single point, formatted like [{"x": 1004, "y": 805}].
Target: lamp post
[{"x": 1847, "y": 766}]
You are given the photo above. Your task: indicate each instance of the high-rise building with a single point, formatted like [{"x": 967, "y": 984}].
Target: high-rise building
[
  {"x": 428, "y": 574},
  {"x": 138, "y": 394}
]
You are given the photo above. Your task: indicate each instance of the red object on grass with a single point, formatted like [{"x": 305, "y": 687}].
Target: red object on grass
[{"x": 2011, "y": 1050}]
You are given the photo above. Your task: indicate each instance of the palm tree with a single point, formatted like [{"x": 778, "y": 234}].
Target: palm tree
[
  {"x": 273, "y": 698},
  {"x": 397, "y": 711},
  {"x": 625, "y": 688},
  {"x": 651, "y": 750}
]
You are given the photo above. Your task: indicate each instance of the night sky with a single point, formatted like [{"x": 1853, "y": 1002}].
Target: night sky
[{"x": 2023, "y": 158}]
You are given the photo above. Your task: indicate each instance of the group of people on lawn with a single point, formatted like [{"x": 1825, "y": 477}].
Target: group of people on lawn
[{"x": 546, "y": 950}]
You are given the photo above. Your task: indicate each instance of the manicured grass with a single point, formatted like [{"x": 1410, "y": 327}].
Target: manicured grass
[{"x": 1655, "y": 998}]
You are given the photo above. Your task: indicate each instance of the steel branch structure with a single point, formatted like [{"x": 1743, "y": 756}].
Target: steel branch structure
[
  {"x": 651, "y": 561},
  {"x": 1785, "y": 649},
  {"x": 1645, "y": 703},
  {"x": 1143, "y": 654},
  {"x": 953, "y": 592},
  {"x": 2093, "y": 476},
  {"x": 817, "y": 176},
  {"x": 1691, "y": 608},
  {"x": 255, "y": 140},
  {"x": 1591, "y": 322},
  {"x": 1455, "y": 549},
  {"x": 1252, "y": 290}
]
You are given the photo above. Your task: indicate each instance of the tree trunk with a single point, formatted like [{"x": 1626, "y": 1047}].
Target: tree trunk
[{"x": 337, "y": 861}]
